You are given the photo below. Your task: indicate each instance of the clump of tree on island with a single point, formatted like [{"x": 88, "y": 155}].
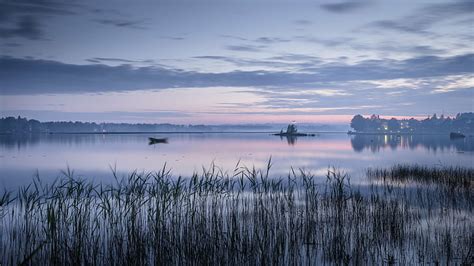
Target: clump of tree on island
[
  {"x": 462, "y": 122},
  {"x": 292, "y": 131}
]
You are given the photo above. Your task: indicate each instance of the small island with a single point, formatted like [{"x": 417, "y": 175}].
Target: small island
[{"x": 292, "y": 131}]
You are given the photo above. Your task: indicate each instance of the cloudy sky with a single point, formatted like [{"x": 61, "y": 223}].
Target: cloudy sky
[{"x": 235, "y": 61}]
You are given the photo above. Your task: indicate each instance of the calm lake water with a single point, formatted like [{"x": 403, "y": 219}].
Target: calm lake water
[{"x": 92, "y": 156}]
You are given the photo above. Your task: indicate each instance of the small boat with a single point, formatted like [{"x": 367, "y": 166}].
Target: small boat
[
  {"x": 153, "y": 141},
  {"x": 456, "y": 135}
]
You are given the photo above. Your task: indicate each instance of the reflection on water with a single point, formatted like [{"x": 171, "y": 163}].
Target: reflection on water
[
  {"x": 375, "y": 143},
  {"x": 291, "y": 140},
  {"x": 92, "y": 155}
]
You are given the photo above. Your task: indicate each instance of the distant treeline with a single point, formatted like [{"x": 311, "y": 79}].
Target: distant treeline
[
  {"x": 24, "y": 125},
  {"x": 462, "y": 122},
  {"x": 19, "y": 124}
]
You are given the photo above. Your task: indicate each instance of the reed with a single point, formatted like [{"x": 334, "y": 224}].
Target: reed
[
  {"x": 242, "y": 217},
  {"x": 447, "y": 175}
]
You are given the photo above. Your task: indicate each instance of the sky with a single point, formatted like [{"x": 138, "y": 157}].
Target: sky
[{"x": 235, "y": 61}]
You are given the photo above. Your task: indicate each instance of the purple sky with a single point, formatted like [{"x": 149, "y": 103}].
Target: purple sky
[{"x": 229, "y": 61}]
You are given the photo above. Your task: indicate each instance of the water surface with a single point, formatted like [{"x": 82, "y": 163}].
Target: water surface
[{"x": 92, "y": 156}]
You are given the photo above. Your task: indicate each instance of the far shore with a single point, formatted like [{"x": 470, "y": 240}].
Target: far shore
[
  {"x": 398, "y": 133},
  {"x": 309, "y": 133},
  {"x": 166, "y": 132}
]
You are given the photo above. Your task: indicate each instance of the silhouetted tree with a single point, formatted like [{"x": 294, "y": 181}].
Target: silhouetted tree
[
  {"x": 393, "y": 125},
  {"x": 463, "y": 122},
  {"x": 358, "y": 123},
  {"x": 291, "y": 129}
]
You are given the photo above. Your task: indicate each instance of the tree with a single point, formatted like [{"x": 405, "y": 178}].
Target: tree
[
  {"x": 393, "y": 125},
  {"x": 291, "y": 129},
  {"x": 358, "y": 123}
]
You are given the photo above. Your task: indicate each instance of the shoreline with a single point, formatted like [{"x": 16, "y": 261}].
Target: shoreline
[
  {"x": 398, "y": 133},
  {"x": 164, "y": 132}
]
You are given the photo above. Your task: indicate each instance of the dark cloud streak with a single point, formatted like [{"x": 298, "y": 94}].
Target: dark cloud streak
[
  {"x": 275, "y": 62},
  {"x": 121, "y": 23},
  {"x": 344, "y": 7},
  {"x": 26, "y": 27},
  {"x": 117, "y": 60},
  {"x": 30, "y": 76},
  {"x": 424, "y": 18},
  {"x": 303, "y": 22},
  {"x": 21, "y": 18},
  {"x": 245, "y": 48}
]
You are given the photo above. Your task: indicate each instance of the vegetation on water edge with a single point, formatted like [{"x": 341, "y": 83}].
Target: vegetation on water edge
[
  {"x": 241, "y": 218},
  {"x": 452, "y": 176},
  {"x": 462, "y": 122},
  {"x": 21, "y": 125}
]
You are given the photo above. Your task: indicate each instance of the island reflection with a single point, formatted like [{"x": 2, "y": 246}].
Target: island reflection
[{"x": 376, "y": 143}]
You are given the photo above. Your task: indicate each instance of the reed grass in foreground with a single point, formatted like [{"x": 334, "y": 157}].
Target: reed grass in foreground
[{"x": 243, "y": 218}]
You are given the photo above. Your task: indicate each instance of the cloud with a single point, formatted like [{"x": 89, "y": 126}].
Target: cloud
[
  {"x": 271, "y": 40},
  {"x": 415, "y": 49},
  {"x": 397, "y": 83},
  {"x": 291, "y": 57},
  {"x": 431, "y": 84},
  {"x": 245, "y": 48},
  {"x": 226, "y": 36},
  {"x": 11, "y": 9},
  {"x": 117, "y": 60},
  {"x": 330, "y": 92},
  {"x": 254, "y": 45},
  {"x": 424, "y": 18},
  {"x": 422, "y": 66},
  {"x": 278, "y": 62},
  {"x": 325, "y": 42},
  {"x": 283, "y": 62},
  {"x": 344, "y": 7},
  {"x": 26, "y": 27},
  {"x": 379, "y": 46},
  {"x": 121, "y": 23},
  {"x": 456, "y": 83},
  {"x": 393, "y": 47},
  {"x": 33, "y": 76},
  {"x": 174, "y": 38},
  {"x": 353, "y": 96},
  {"x": 213, "y": 57},
  {"x": 57, "y": 115},
  {"x": 398, "y": 26},
  {"x": 21, "y": 18},
  {"x": 303, "y": 22},
  {"x": 12, "y": 44}
]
